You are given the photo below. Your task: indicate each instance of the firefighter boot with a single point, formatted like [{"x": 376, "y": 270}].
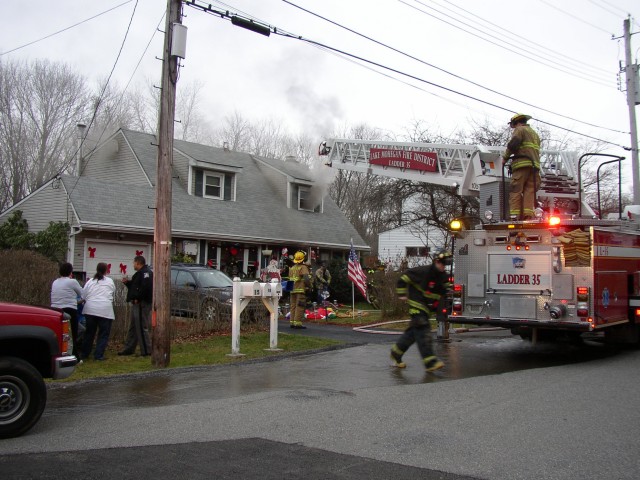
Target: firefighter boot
[
  {"x": 396, "y": 357},
  {"x": 432, "y": 364}
]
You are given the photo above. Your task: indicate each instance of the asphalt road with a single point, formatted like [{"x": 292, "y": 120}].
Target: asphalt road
[{"x": 500, "y": 409}]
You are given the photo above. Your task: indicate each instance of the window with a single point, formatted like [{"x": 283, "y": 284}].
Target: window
[
  {"x": 213, "y": 186},
  {"x": 416, "y": 251},
  {"x": 304, "y": 203}
]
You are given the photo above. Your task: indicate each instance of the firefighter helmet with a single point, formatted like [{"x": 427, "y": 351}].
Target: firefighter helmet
[
  {"x": 298, "y": 257},
  {"x": 519, "y": 117},
  {"x": 443, "y": 256}
]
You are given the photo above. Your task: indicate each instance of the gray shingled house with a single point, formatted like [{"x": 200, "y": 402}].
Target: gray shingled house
[{"x": 230, "y": 209}]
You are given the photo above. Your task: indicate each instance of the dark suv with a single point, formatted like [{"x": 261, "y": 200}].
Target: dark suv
[{"x": 200, "y": 291}]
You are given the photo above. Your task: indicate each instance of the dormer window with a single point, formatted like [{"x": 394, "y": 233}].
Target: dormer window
[
  {"x": 213, "y": 185},
  {"x": 303, "y": 199}
]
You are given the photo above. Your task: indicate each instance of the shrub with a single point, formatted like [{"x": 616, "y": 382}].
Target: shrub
[{"x": 26, "y": 277}]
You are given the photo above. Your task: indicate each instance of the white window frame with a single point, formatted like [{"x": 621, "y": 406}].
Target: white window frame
[
  {"x": 303, "y": 188},
  {"x": 205, "y": 175}
]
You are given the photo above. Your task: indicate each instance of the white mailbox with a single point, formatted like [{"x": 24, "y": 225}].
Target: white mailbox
[
  {"x": 250, "y": 289},
  {"x": 267, "y": 290}
]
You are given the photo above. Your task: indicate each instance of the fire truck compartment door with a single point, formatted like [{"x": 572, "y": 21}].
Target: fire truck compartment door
[
  {"x": 475, "y": 285},
  {"x": 610, "y": 297},
  {"x": 517, "y": 307},
  {"x": 519, "y": 272}
]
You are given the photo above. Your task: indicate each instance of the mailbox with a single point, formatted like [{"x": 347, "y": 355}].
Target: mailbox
[{"x": 251, "y": 289}]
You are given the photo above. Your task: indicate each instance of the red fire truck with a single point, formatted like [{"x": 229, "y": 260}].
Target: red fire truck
[{"x": 567, "y": 271}]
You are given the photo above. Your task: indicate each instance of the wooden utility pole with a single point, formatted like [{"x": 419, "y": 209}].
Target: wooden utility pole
[{"x": 161, "y": 314}]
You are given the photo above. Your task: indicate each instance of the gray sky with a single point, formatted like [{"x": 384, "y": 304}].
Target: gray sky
[{"x": 310, "y": 89}]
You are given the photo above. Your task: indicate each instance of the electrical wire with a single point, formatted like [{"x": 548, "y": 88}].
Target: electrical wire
[
  {"x": 104, "y": 89},
  {"x": 64, "y": 29},
  {"x": 576, "y": 18},
  {"x": 528, "y": 42},
  {"x": 518, "y": 49},
  {"x": 448, "y": 72},
  {"x": 226, "y": 15}
]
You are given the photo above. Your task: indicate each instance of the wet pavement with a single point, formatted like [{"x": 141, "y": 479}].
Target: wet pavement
[
  {"x": 500, "y": 409},
  {"x": 469, "y": 354}
]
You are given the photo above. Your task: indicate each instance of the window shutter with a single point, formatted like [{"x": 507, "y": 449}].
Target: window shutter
[
  {"x": 227, "y": 186},
  {"x": 199, "y": 182},
  {"x": 294, "y": 197}
]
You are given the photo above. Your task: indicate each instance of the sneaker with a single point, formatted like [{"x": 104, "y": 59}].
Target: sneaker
[
  {"x": 432, "y": 364},
  {"x": 397, "y": 360}
]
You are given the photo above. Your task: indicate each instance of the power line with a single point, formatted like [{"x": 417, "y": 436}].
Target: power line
[
  {"x": 528, "y": 41},
  {"x": 517, "y": 52},
  {"x": 448, "y": 72},
  {"x": 576, "y": 18},
  {"x": 104, "y": 89},
  {"x": 64, "y": 29},
  {"x": 227, "y": 15}
]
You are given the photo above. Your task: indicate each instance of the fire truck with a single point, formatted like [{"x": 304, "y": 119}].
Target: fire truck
[{"x": 566, "y": 272}]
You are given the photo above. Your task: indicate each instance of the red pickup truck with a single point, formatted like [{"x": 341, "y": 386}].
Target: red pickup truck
[{"x": 35, "y": 343}]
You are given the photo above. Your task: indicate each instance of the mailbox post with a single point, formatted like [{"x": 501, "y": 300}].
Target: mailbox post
[{"x": 242, "y": 294}]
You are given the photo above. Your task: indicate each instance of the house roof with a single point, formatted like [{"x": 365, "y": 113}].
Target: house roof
[{"x": 258, "y": 214}]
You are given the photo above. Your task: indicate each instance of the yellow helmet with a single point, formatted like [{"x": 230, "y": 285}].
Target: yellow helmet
[
  {"x": 298, "y": 257},
  {"x": 519, "y": 117}
]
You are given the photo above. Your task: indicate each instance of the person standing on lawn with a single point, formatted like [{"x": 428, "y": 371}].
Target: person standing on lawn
[
  {"x": 98, "y": 312},
  {"x": 140, "y": 294},
  {"x": 300, "y": 275},
  {"x": 65, "y": 291}
]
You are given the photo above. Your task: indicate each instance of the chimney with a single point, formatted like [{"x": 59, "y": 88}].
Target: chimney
[
  {"x": 225, "y": 146},
  {"x": 81, "y": 129}
]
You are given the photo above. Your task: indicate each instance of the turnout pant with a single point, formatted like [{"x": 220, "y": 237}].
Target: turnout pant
[
  {"x": 298, "y": 305},
  {"x": 525, "y": 182},
  {"x": 419, "y": 331},
  {"x": 138, "y": 332}
]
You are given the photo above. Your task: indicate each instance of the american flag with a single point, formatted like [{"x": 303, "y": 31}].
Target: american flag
[{"x": 355, "y": 273}]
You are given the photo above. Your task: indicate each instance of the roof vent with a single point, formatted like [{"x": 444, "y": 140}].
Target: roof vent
[{"x": 290, "y": 158}]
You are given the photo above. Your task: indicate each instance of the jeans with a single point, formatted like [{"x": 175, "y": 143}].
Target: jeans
[
  {"x": 103, "y": 327},
  {"x": 73, "y": 313}
]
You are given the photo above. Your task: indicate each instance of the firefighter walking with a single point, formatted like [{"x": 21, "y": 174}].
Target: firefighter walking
[
  {"x": 524, "y": 151},
  {"x": 422, "y": 287},
  {"x": 300, "y": 275}
]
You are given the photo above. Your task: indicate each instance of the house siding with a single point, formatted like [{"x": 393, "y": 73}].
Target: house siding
[
  {"x": 114, "y": 162},
  {"x": 181, "y": 169},
  {"x": 392, "y": 245},
  {"x": 276, "y": 179},
  {"x": 42, "y": 207}
]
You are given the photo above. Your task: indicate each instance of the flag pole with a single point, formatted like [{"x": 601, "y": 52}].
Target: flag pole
[{"x": 353, "y": 301}]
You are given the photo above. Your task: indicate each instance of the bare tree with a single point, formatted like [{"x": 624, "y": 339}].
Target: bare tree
[{"x": 39, "y": 106}]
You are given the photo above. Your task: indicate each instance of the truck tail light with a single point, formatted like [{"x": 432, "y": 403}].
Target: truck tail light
[
  {"x": 67, "y": 340},
  {"x": 457, "y": 294},
  {"x": 582, "y": 308}
]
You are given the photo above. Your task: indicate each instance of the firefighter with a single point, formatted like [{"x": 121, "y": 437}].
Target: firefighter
[
  {"x": 524, "y": 151},
  {"x": 422, "y": 287},
  {"x": 300, "y": 275}
]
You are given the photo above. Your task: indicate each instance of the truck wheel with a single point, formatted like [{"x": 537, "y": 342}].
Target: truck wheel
[{"x": 23, "y": 395}]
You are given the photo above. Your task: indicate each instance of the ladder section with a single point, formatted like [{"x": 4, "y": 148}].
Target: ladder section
[{"x": 440, "y": 164}]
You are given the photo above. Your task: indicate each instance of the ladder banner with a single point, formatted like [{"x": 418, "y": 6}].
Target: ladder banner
[{"x": 405, "y": 159}]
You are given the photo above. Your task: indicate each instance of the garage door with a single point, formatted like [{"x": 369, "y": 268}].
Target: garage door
[{"x": 117, "y": 256}]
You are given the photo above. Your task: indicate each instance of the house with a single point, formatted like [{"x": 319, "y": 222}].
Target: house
[
  {"x": 409, "y": 246},
  {"x": 231, "y": 210}
]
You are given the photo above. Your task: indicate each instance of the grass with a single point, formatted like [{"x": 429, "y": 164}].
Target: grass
[{"x": 208, "y": 351}]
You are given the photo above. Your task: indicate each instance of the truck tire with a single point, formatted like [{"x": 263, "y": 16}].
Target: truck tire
[{"x": 23, "y": 396}]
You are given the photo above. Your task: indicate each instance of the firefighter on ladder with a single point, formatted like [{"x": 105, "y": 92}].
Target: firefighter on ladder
[{"x": 524, "y": 151}]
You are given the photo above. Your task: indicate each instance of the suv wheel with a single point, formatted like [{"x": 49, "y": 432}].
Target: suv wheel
[
  {"x": 23, "y": 396},
  {"x": 209, "y": 310}
]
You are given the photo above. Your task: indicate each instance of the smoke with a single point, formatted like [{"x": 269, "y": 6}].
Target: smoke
[
  {"x": 322, "y": 177},
  {"x": 319, "y": 114}
]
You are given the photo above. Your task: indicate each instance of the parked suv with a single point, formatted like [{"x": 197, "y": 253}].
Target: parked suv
[
  {"x": 35, "y": 343},
  {"x": 200, "y": 291}
]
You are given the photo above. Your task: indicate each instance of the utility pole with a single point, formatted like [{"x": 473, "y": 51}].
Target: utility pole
[
  {"x": 161, "y": 314},
  {"x": 633, "y": 98}
]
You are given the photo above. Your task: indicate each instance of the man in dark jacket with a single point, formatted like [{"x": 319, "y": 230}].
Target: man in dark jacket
[
  {"x": 140, "y": 294},
  {"x": 422, "y": 287}
]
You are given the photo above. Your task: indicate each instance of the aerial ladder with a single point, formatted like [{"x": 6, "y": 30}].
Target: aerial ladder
[{"x": 472, "y": 170}]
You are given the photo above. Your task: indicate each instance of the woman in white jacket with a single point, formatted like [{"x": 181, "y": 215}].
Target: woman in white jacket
[{"x": 98, "y": 311}]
